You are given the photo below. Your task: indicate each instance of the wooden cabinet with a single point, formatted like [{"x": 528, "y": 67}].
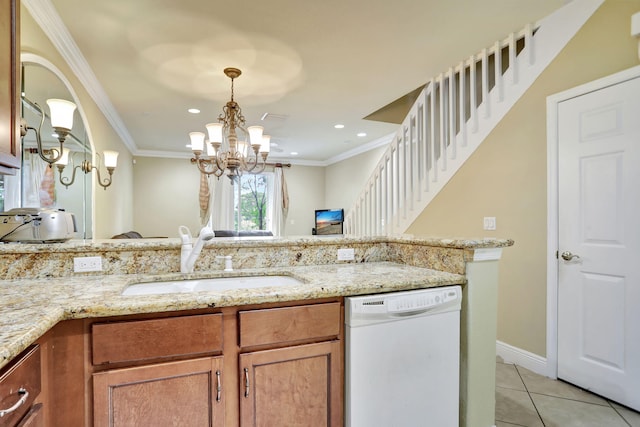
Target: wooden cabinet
[
  {"x": 20, "y": 385},
  {"x": 9, "y": 86},
  {"x": 292, "y": 383},
  {"x": 160, "y": 393},
  {"x": 297, "y": 386},
  {"x": 262, "y": 365},
  {"x": 184, "y": 393}
]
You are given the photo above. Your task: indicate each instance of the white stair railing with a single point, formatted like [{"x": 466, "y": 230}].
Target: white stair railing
[{"x": 452, "y": 116}]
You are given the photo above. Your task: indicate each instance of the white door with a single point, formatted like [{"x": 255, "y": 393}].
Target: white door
[{"x": 599, "y": 224}]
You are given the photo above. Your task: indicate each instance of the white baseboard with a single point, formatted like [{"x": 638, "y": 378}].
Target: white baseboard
[{"x": 528, "y": 360}]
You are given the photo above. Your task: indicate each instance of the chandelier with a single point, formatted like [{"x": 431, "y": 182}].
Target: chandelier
[{"x": 232, "y": 147}]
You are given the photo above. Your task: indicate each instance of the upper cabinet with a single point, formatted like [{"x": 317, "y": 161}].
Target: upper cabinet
[{"x": 9, "y": 86}]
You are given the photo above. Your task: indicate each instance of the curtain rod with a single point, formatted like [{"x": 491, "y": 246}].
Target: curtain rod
[{"x": 279, "y": 165}]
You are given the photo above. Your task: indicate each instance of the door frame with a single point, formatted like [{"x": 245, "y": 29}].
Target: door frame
[{"x": 553, "y": 102}]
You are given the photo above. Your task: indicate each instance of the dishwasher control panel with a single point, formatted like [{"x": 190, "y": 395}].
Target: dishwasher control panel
[
  {"x": 421, "y": 301},
  {"x": 385, "y": 307}
]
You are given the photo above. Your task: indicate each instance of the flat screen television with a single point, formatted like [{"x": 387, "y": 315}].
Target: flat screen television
[{"x": 329, "y": 221}]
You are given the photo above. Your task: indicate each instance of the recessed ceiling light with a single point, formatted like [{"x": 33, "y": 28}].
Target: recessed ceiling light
[
  {"x": 362, "y": 134},
  {"x": 338, "y": 126},
  {"x": 193, "y": 111},
  {"x": 294, "y": 153}
]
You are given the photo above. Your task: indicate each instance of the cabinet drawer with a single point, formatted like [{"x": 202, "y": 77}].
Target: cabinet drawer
[
  {"x": 20, "y": 385},
  {"x": 289, "y": 324},
  {"x": 139, "y": 340}
]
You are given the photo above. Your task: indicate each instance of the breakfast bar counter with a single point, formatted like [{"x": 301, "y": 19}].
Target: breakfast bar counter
[{"x": 39, "y": 288}]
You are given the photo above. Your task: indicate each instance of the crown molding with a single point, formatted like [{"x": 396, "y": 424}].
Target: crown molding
[
  {"x": 382, "y": 141},
  {"x": 47, "y": 17},
  {"x": 187, "y": 155}
]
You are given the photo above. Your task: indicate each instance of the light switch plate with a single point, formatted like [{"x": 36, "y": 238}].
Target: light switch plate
[
  {"x": 346, "y": 254},
  {"x": 87, "y": 263},
  {"x": 489, "y": 222}
]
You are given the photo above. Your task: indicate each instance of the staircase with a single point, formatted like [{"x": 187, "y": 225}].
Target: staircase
[{"x": 451, "y": 118}]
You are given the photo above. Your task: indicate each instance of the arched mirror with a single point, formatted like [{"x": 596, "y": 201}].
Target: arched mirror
[{"x": 39, "y": 185}]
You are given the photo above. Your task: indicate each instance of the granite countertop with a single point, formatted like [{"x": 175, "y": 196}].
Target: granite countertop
[
  {"x": 79, "y": 245},
  {"x": 30, "y": 307}
]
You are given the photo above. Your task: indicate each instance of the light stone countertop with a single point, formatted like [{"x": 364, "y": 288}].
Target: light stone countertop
[{"x": 30, "y": 307}]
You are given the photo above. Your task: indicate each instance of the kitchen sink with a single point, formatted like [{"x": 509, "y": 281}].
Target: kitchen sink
[{"x": 211, "y": 284}]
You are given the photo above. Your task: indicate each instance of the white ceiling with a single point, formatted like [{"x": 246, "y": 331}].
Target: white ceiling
[{"x": 313, "y": 63}]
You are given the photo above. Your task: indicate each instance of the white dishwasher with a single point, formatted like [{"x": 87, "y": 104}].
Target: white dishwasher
[{"x": 402, "y": 359}]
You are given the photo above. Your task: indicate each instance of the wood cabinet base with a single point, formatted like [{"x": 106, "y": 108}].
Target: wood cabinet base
[{"x": 166, "y": 394}]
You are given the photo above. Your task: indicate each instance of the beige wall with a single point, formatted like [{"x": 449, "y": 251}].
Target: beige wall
[
  {"x": 166, "y": 196},
  {"x": 306, "y": 185},
  {"x": 346, "y": 179},
  {"x": 113, "y": 208},
  {"x": 506, "y": 177}
]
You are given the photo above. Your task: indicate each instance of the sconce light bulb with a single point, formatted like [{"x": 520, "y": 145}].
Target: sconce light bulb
[
  {"x": 110, "y": 159},
  {"x": 64, "y": 159},
  {"x": 61, "y": 113}
]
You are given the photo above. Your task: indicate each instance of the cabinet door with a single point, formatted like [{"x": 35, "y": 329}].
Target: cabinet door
[
  {"x": 186, "y": 393},
  {"x": 292, "y": 386},
  {"x": 9, "y": 85}
]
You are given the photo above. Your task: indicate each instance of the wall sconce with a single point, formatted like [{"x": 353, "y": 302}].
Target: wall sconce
[
  {"x": 61, "y": 121},
  {"x": 110, "y": 162}
]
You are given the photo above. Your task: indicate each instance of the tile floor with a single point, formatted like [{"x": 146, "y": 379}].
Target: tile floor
[{"x": 526, "y": 399}]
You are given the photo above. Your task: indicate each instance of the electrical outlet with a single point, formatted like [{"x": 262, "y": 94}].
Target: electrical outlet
[
  {"x": 489, "y": 222},
  {"x": 87, "y": 263},
  {"x": 346, "y": 254}
]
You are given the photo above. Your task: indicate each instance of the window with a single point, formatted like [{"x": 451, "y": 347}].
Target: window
[{"x": 252, "y": 202}]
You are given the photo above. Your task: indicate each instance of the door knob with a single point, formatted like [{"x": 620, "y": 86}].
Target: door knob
[{"x": 568, "y": 256}]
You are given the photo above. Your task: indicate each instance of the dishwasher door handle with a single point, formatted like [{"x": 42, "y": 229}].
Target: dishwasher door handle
[{"x": 409, "y": 313}]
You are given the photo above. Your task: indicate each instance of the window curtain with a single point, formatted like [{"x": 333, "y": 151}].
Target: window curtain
[
  {"x": 221, "y": 204},
  {"x": 280, "y": 202}
]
